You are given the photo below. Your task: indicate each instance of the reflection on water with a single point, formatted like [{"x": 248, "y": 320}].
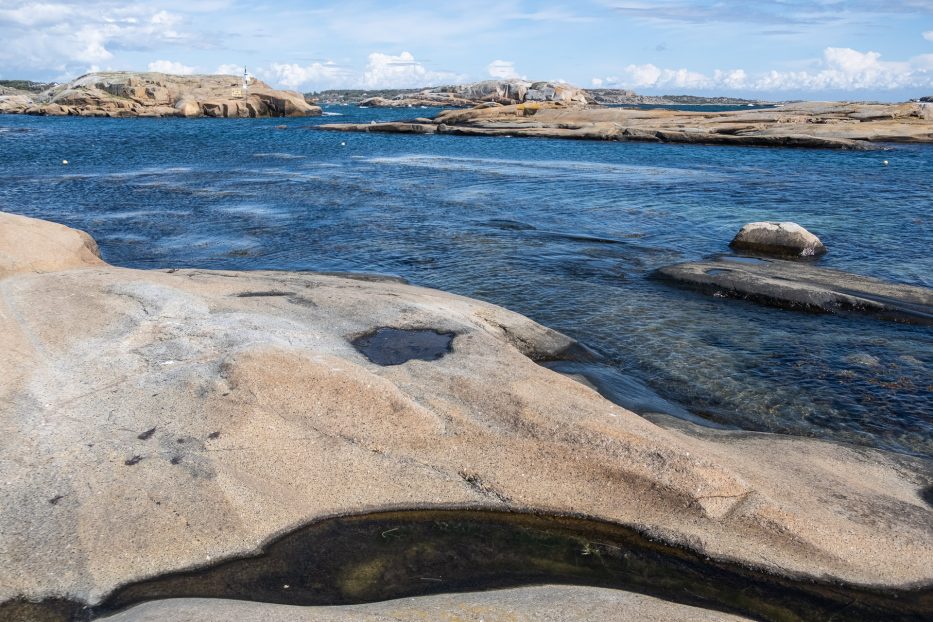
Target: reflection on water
[{"x": 565, "y": 232}]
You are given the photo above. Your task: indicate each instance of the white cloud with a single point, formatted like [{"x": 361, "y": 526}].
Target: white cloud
[
  {"x": 928, "y": 35},
  {"x": 167, "y": 66},
  {"x": 229, "y": 70},
  {"x": 597, "y": 82},
  {"x": 385, "y": 71},
  {"x": 841, "y": 69},
  {"x": 314, "y": 76},
  {"x": 503, "y": 69},
  {"x": 68, "y": 36}
]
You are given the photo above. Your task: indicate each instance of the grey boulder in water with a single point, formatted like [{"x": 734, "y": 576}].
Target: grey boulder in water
[{"x": 781, "y": 239}]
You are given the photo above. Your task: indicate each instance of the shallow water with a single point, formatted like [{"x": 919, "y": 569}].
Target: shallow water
[{"x": 565, "y": 232}]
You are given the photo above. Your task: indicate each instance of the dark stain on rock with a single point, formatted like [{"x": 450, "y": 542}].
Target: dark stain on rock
[
  {"x": 213, "y": 435},
  {"x": 927, "y": 495},
  {"x": 133, "y": 460},
  {"x": 54, "y": 500},
  {"x": 175, "y": 460},
  {"x": 264, "y": 294},
  {"x": 394, "y": 346},
  {"x": 145, "y": 436},
  {"x": 180, "y": 440}
]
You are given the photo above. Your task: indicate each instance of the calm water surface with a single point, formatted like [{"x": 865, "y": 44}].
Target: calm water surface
[{"x": 565, "y": 232}]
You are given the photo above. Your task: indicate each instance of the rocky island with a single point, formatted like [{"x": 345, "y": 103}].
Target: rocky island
[
  {"x": 129, "y": 94},
  {"x": 839, "y": 125},
  {"x": 194, "y": 433}
]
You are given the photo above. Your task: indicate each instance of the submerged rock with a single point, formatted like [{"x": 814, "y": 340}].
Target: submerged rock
[
  {"x": 793, "y": 285},
  {"x": 780, "y": 239},
  {"x": 158, "y": 421}
]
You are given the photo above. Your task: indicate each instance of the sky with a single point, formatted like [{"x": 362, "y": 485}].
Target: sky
[{"x": 784, "y": 49}]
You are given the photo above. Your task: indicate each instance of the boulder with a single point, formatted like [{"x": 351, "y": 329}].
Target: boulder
[
  {"x": 188, "y": 108},
  {"x": 780, "y": 239},
  {"x": 29, "y": 245}
]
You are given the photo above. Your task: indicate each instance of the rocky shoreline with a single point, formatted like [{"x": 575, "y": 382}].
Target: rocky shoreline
[
  {"x": 165, "y": 420},
  {"x": 827, "y": 125},
  {"x": 129, "y": 94}
]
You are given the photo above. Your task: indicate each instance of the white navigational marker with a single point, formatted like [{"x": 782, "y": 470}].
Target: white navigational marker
[{"x": 64, "y": 161}]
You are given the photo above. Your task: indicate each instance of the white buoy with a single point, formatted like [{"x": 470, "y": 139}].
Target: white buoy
[
  {"x": 64, "y": 161},
  {"x": 885, "y": 162},
  {"x": 343, "y": 144}
]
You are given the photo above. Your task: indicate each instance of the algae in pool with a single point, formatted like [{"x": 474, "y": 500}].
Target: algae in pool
[{"x": 382, "y": 556}]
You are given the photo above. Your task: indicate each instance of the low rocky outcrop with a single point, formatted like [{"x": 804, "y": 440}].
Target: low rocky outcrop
[
  {"x": 779, "y": 239},
  {"x": 162, "y": 420},
  {"x": 793, "y": 285},
  {"x": 128, "y": 94},
  {"x": 504, "y": 92},
  {"x": 807, "y": 124}
]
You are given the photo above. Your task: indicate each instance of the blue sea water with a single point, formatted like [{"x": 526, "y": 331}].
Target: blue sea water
[{"x": 565, "y": 232}]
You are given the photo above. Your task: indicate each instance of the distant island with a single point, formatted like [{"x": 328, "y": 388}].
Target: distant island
[
  {"x": 469, "y": 95},
  {"x": 546, "y": 110},
  {"x": 130, "y": 94}
]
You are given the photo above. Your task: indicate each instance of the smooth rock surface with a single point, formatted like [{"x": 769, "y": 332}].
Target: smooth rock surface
[
  {"x": 546, "y": 603},
  {"x": 793, "y": 285},
  {"x": 831, "y": 125},
  {"x": 780, "y": 239},
  {"x": 155, "y": 421},
  {"x": 129, "y": 94},
  {"x": 29, "y": 246}
]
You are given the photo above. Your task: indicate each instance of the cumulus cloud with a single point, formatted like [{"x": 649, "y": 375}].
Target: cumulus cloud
[
  {"x": 385, "y": 71},
  {"x": 382, "y": 71},
  {"x": 316, "y": 75},
  {"x": 503, "y": 70},
  {"x": 229, "y": 70},
  {"x": 167, "y": 66},
  {"x": 928, "y": 35},
  {"x": 839, "y": 69},
  {"x": 67, "y": 36}
]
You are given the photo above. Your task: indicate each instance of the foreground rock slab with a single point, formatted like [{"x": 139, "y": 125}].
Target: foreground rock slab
[
  {"x": 129, "y": 94},
  {"x": 548, "y": 603},
  {"x": 793, "y": 285},
  {"x": 833, "y": 125},
  {"x": 156, "y": 421}
]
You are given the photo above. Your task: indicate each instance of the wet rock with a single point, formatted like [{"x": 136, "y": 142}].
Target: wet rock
[
  {"x": 793, "y": 285},
  {"x": 780, "y": 239},
  {"x": 863, "y": 360},
  {"x": 93, "y": 356}
]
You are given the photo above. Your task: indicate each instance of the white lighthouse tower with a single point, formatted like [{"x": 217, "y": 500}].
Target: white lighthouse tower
[{"x": 245, "y": 83}]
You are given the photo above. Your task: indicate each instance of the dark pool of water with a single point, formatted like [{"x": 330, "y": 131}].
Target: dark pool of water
[
  {"x": 373, "y": 557},
  {"x": 566, "y": 232},
  {"x": 394, "y": 346}
]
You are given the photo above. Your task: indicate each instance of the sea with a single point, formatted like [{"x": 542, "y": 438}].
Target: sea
[{"x": 569, "y": 233}]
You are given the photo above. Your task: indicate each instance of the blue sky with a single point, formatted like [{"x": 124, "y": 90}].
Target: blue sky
[{"x": 865, "y": 49}]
